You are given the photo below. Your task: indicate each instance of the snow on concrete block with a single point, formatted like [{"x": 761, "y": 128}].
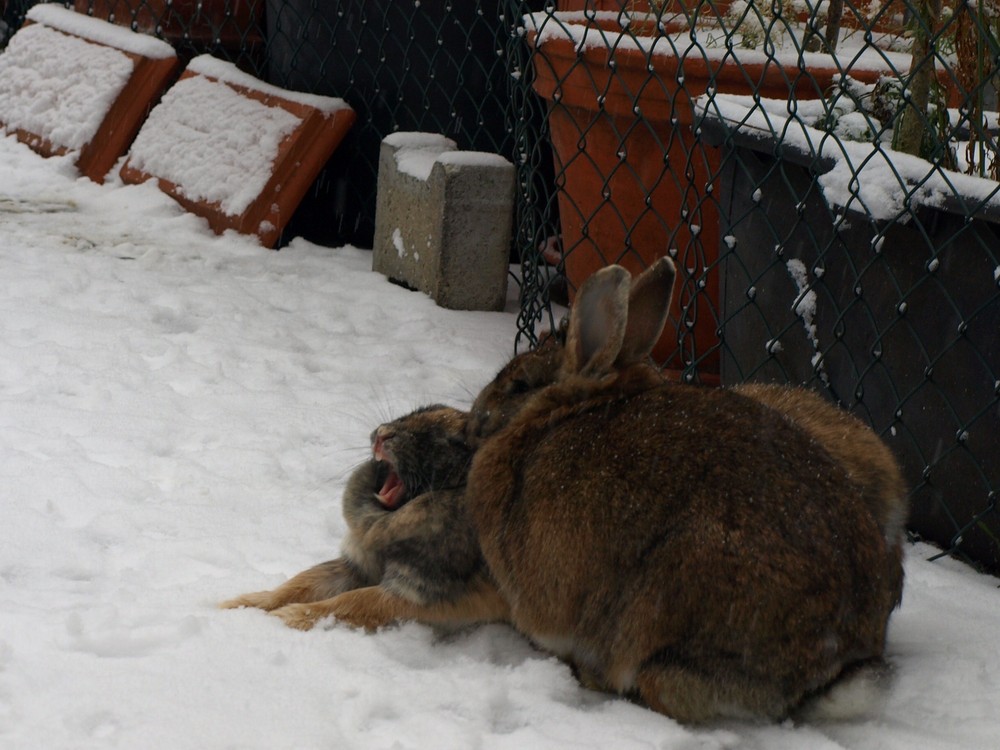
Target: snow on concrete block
[
  {"x": 236, "y": 150},
  {"x": 443, "y": 220},
  {"x": 73, "y": 84}
]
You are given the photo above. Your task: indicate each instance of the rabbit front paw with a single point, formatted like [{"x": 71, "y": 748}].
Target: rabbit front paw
[
  {"x": 302, "y": 616},
  {"x": 363, "y": 608},
  {"x": 359, "y": 609},
  {"x": 265, "y": 600}
]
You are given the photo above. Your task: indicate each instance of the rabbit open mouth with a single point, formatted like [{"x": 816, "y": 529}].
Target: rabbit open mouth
[{"x": 393, "y": 492}]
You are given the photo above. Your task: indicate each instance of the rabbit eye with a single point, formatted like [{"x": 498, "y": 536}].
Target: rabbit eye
[{"x": 520, "y": 386}]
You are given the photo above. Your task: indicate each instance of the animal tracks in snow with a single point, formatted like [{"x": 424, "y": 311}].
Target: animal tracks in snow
[
  {"x": 108, "y": 634},
  {"x": 35, "y": 205}
]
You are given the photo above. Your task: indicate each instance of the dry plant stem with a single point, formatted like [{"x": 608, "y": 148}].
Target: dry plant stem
[
  {"x": 828, "y": 41},
  {"x": 975, "y": 66},
  {"x": 833, "y": 18},
  {"x": 913, "y": 119}
]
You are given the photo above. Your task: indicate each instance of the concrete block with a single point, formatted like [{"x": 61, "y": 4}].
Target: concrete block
[{"x": 443, "y": 220}]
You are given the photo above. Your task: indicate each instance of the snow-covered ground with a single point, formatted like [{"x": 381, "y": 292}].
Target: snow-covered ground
[{"x": 178, "y": 412}]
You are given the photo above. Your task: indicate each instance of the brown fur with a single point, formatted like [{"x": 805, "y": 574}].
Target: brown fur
[
  {"x": 850, "y": 442},
  {"x": 514, "y": 384},
  {"x": 692, "y": 547},
  {"x": 868, "y": 461},
  {"x": 373, "y": 607},
  {"x": 322, "y": 581},
  {"x": 417, "y": 561}
]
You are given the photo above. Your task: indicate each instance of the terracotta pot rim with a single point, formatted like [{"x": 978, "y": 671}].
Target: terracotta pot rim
[{"x": 622, "y": 50}]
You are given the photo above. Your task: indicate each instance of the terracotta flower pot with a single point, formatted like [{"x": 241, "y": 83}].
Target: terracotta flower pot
[{"x": 634, "y": 180}]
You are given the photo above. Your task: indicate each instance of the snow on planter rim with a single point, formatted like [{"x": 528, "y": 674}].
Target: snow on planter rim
[
  {"x": 584, "y": 30},
  {"x": 92, "y": 29},
  {"x": 862, "y": 176}
]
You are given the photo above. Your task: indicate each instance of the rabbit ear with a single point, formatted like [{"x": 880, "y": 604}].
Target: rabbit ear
[
  {"x": 597, "y": 322},
  {"x": 648, "y": 303}
]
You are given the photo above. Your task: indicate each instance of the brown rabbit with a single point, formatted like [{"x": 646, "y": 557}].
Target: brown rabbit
[
  {"x": 691, "y": 547},
  {"x": 410, "y": 552},
  {"x": 849, "y": 441},
  {"x": 852, "y": 444}
]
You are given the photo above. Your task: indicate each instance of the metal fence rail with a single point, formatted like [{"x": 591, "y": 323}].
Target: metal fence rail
[{"x": 730, "y": 135}]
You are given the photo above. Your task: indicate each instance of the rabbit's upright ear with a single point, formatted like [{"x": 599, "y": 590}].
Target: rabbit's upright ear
[
  {"x": 597, "y": 323},
  {"x": 648, "y": 304}
]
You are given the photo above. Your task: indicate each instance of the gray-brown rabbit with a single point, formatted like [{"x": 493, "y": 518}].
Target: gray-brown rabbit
[
  {"x": 410, "y": 551},
  {"x": 694, "y": 548}
]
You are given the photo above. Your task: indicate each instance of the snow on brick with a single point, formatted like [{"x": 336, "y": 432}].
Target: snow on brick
[
  {"x": 214, "y": 144},
  {"x": 74, "y": 84},
  {"x": 94, "y": 30},
  {"x": 59, "y": 87},
  {"x": 236, "y": 150}
]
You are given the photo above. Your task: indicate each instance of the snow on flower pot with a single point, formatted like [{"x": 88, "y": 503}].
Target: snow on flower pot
[
  {"x": 238, "y": 151},
  {"x": 897, "y": 319},
  {"x": 634, "y": 180},
  {"x": 72, "y": 84}
]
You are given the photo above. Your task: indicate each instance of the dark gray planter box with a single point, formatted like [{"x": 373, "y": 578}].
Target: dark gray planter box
[{"x": 906, "y": 320}]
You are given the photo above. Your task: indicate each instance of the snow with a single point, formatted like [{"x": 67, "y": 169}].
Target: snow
[
  {"x": 869, "y": 178},
  {"x": 804, "y": 306},
  {"x": 397, "y": 242},
  {"x": 85, "y": 27},
  {"x": 59, "y": 87},
  {"x": 221, "y": 70},
  {"x": 416, "y": 153},
  {"x": 472, "y": 159},
  {"x": 805, "y": 303},
  {"x": 190, "y": 139},
  {"x": 708, "y": 42},
  {"x": 178, "y": 413}
]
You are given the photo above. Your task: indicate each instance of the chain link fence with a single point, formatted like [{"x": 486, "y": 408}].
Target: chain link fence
[
  {"x": 830, "y": 198},
  {"x": 824, "y": 174}
]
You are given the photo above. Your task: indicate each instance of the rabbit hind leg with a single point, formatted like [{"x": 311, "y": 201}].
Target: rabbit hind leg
[{"x": 691, "y": 698}]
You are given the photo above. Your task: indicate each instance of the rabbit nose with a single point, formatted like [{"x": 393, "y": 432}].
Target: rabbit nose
[{"x": 379, "y": 437}]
